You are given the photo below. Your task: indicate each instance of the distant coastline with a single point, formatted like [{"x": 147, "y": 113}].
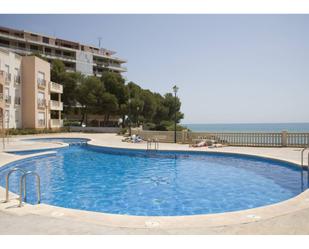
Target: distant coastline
[{"x": 250, "y": 127}]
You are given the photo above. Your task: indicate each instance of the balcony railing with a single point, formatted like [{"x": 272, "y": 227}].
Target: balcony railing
[
  {"x": 7, "y": 99},
  {"x": 2, "y": 74},
  {"x": 41, "y": 83},
  {"x": 56, "y": 105},
  {"x": 56, "y": 123},
  {"x": 41, "y": 103},
  {"x": 17, "y": 79},
  {"x": 17, "y": 101},
  {"x": 8, "y": 78},
  {"x": 55, "y": 87},
  {"x": 41, "y": 122}
]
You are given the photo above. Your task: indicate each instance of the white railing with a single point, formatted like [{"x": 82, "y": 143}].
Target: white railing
[
  {"x": 41, "y": 122},
  {"x": 56, "y": 105},
  {"x": 17, "y": 101},
  {"x": 8, "y": 78},
  {"x": 260, "y": 139},
  {"x": 56, "y": 123},
  {"x": 41, "y": 82},
  {"x": 55, "y": 87},
  {"x": 2, "y": 73},
  {"x": 17, "y": 79},
  {"x": 7, "y": 99},
  {"x": 41, "y": 103}
]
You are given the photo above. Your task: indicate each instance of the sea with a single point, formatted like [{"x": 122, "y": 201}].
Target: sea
[{"x": 250, "y": 127}]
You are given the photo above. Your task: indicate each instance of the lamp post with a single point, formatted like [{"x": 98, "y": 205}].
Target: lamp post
[
  {"x": 175, "y": 90},
  {"x": 129, "y": 116},
  {"x": 137, "y": 112}
]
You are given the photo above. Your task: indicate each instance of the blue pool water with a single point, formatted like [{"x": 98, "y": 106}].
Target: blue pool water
[{"x": 121, "y": 181}]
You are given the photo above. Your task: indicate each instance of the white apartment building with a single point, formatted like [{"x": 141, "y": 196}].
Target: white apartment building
[
  {"x": 28, "y": 98},
  {"x": 10, "y": 69},
  {"x": 88, "y": 60}
]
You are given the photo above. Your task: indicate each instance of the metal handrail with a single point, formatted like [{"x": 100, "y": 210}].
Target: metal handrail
[
  {"x": 148, "y": 144},
  {"x": 155, "y": 142},
  {"x": 302, "y": 156},
  {"x": 7, "y": 182},
  {"x": 308, "y": 171},
  {"x": 302, "y": 165},
  {"x": 22, "y": 180}
]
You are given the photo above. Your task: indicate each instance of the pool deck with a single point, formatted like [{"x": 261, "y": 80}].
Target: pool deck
[{"x": 288, "y": 217}]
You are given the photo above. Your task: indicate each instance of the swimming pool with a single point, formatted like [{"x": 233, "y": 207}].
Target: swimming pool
[{"x": 133, "y": 182}]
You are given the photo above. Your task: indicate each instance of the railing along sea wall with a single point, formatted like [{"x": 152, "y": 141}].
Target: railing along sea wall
[{"x": 262, "y": 139}]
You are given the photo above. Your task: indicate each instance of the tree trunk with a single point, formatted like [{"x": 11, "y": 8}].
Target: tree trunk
[{"x": 83, "y": 117}]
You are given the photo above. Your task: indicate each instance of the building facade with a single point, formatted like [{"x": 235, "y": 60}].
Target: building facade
[
  {"x": 28, "y": 99},
  {"x": 76, "y": 57}
]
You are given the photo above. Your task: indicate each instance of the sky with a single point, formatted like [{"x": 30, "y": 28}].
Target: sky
[{"x": 229, "y": 68}]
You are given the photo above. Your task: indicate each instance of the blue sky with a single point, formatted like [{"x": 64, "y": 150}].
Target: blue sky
[{"x": 229, "y": 68}]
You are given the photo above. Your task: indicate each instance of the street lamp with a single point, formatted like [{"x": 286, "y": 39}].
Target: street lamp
[
  {"x": 175, "y": 90},
  {"x": 129, "y": 116},
  {"x": 137, "y": 112}
]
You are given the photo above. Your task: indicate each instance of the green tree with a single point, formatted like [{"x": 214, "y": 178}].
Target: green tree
[
  {"x": 57, "y": 71},
  {"x": 107, "y": 105},
  {"x": 88, "y": 94},
  {"x": 115, "y": 84}
]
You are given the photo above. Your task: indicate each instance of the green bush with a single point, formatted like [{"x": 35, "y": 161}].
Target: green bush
[
  {"x": 70, "y": 123},
  {"x": 122, "y": 131}
]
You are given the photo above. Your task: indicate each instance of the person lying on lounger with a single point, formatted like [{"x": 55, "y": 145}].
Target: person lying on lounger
[{"x": 200, "y": 144}]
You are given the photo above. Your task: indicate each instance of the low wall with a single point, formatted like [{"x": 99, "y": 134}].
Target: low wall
[
  {"x": 263, "y": 139},
  {"x": 95, "y": 129}
]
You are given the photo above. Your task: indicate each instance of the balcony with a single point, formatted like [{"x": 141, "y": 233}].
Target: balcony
[
  {"x": 117, "y": 67},
  {"x": 41, "y": 123},
  {"x": 41, "y": 83},
  {"x": 2, "y": 76},
  {"x": 56, "y": 123},
  {"x": 8, "y": 78},
  {"x": 55, "y": 87},
  {"x": 17, "y": 101},
  {"x": 16, "y": 79},
  {"x": 7, "y": 100},
  {"x": 56, "y": 105},
  {"x": 41, "y": 103}
]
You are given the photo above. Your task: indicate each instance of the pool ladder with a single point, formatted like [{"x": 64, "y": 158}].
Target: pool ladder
[
  {"x": 150, "y": 142},
  {"x": 302, "y": 165},
  {"x": 22, "y": 186}
]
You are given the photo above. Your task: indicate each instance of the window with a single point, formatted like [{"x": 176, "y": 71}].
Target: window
[
  {"x": 16, "y": 116},
  {"x": 33, "y": 47},
  {"x": 41, "y": 75},
  {"x": 47, "y": 50},
  {"x": 21, "y": 45},
  {"x": 5, "y": 43},
  {"x": 7, "y": 74},
  {"x": 6, "y": 91},
  {"x": 45, "y": 39},
  {"x": 16, "y": 75},
  {"x": 7, "y": 118},
  {"x": 7, "y": 69},
  {"x": 41, "y": 119},
  {"x": 41, "y": 96},
  {"x": 41, "y": 79}
]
